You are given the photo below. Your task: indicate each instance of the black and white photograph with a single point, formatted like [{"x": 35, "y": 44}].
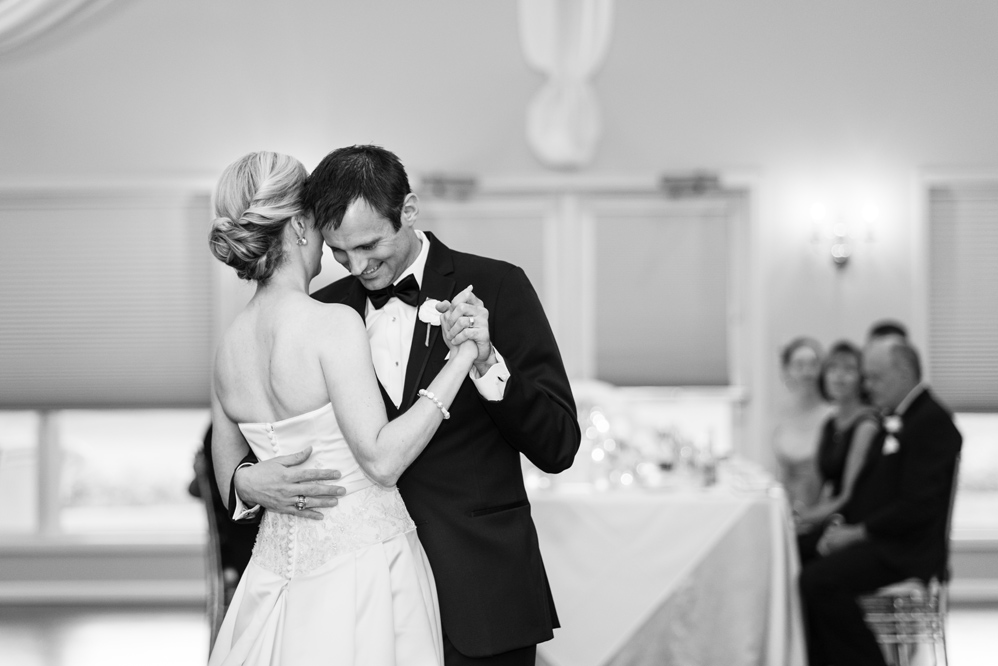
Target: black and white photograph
[{"x": 509, "y": 333}]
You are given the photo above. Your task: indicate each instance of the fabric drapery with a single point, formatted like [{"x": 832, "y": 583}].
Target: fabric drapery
[
  {"x": 23, "y": 21},
  {"x": 567, "y": 41}
]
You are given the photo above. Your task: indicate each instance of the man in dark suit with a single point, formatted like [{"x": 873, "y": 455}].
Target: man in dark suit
[
  {"x": 894, "y": 526},
  {"x": 465, "y": 492}
]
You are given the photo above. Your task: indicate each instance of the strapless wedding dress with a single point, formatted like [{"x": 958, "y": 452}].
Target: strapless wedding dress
[{"x": 353, "y": 588}]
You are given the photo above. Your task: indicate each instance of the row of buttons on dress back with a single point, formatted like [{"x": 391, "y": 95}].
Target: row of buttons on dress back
[
  {"x": 294, "y": 520},
  {"x": 272, "y": 437}
]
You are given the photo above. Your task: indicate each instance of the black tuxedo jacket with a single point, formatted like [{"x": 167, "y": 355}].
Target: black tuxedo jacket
[
  {"x": 465, "y": 491},
  {"x": 903, "y": 498}
]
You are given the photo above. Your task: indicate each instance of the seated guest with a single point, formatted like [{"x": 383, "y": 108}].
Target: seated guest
[
  {"x": 845, "y": 435},
  {"x": 894, "y": 524},
  {"x": 798, "y": 422}
]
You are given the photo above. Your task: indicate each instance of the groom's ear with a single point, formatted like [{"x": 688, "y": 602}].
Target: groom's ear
[{"x": 410, "y": 210}]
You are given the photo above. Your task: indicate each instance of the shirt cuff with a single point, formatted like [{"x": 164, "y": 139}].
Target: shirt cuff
[
  {"x": 492, "y": 385},
  {"x": 239, "y": 510}
]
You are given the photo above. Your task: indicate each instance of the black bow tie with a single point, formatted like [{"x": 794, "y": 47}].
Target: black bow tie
[{"x": 406, "y": 291}]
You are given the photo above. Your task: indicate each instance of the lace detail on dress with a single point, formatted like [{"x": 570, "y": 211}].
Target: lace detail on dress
[{"x": 291, "y": 546}]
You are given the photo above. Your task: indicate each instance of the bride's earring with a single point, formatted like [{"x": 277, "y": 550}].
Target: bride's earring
[{"x": 302, "y": 241}]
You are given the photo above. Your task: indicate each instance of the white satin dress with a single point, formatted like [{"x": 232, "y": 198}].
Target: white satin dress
[{"x": 355, "y": 588}]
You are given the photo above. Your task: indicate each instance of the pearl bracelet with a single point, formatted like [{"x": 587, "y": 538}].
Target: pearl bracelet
[{"x": 423, "y": 393}]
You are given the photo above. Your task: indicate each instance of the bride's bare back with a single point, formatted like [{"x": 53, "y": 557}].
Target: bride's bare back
[{"x": 267, "y": 367}]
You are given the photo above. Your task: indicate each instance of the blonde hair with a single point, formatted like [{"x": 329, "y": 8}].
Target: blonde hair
[{"x": 256, "y": 197}]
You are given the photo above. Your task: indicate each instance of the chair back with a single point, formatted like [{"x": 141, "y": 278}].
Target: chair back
[
  {"x": 215, "y": 585},
  {"x": 945, "y": 573},
  {"x": 912, "y": 612}
]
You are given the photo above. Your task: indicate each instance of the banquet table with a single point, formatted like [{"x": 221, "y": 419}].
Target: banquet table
[{"x": 684, "y": 575}]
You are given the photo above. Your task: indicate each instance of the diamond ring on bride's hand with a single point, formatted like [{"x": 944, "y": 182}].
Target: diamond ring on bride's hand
[{"x": 300, "y": 504}]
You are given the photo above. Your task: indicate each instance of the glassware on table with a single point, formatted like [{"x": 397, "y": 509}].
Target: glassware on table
[
  {"x": 743, "y": 475},
  {"x": 707, "y": 462}
]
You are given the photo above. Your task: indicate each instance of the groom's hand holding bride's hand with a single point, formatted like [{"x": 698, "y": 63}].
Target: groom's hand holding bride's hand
[
  {"x": 275, "y": 484},
  {"x": 466, "y": 319}
]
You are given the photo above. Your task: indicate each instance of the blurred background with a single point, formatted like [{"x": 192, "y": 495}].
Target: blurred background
[{"x": 688, "y": 186}]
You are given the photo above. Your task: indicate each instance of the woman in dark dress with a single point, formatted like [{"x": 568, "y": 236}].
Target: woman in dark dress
[{"x": 845, "y": 435}]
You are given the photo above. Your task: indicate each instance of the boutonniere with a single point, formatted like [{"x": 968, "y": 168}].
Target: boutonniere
[
  {"x": 428, "y": 315},
  {"x": 892, "y": 424}
]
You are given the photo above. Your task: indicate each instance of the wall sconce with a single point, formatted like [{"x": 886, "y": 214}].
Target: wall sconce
[
  {"x": 690, "y": 185},
  {"x": 448, "y": 186},
  {"x": 839, "y": 233}
]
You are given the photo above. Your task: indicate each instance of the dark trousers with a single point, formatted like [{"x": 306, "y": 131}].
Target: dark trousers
[
  {"x": 836, "y": 631},
  {"x": 521, "y": 657}
]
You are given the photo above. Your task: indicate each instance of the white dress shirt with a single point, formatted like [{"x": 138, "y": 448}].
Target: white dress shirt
[{"x": 390, "y": 331}]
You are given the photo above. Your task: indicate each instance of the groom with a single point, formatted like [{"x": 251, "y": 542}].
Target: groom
[{"x": 465, "y": 491}]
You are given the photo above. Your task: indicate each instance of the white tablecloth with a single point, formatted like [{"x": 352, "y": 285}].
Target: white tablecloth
[{"x": 684, "y": 576}]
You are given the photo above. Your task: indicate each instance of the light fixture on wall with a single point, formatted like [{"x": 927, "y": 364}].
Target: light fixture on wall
[
  {"x": 840, "y": 232},
  {"x": 690, "y": 185},
  {"x": 456, "y": 187}
]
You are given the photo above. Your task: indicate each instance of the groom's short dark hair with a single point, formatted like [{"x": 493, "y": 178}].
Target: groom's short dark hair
[{"x": 357, "y": 172}]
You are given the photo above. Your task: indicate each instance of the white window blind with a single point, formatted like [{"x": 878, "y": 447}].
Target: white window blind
[
  {"x": 963, "y": 294},
  {"x": 507, "y": 229},
  {"x": 105, "y": 299},
  {"x": 639, "y": 288},
  {"x": 663, "y": 271}
]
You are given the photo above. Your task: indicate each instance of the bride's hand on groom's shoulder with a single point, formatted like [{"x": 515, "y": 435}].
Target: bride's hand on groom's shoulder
[{"x": 277, "y": 483}]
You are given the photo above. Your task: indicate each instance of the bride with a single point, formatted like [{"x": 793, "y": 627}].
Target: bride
[{"x": 347, "y": 584}]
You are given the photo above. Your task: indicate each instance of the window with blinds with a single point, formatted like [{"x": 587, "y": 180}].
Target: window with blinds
[
  {"x": 639, "y": 287},
  {"x": 662, "y": 290},
  {"x": 963, "y": 294},
  {"x": 511, "y": 230},
  {"x": 105, "y": 299}
]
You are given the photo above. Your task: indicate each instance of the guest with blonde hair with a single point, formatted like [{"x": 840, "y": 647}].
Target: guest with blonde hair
[{"x": 798, "y": 422}]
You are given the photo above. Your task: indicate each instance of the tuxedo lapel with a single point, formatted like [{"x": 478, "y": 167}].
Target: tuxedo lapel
[
  {"x": 916, "y": 405},
  {"x": 438, "y": 284}
]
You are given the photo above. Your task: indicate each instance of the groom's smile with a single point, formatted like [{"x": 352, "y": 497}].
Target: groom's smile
[
  {"x": 370, "y": 276},
  {"x": 368, "y": 246}
]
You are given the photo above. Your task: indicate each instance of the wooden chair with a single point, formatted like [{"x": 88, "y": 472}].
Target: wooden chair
[
  {"x": 912, "y": 613},
  {"x": 216, "y": 601}
]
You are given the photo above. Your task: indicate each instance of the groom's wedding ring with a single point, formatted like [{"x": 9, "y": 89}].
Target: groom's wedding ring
[
  {"x": 300, "y": 504},
  {"x": 471, "y": 322}
]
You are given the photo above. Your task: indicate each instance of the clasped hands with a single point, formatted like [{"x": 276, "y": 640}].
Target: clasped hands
[
  {"x": 838, "y": 535},
  {"x": 465, "y": 318},
  {"x": 277, "y": 483}
]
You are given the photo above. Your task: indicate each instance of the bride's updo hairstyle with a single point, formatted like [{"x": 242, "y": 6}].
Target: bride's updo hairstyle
[{"x": 255, "y": 199}]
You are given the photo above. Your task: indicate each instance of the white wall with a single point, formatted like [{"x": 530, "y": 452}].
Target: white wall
[{"x": 843, "y": 102}]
